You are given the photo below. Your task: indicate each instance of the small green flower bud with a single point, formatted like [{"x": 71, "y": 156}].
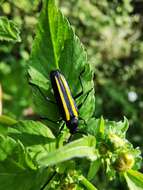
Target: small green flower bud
[{"x": 124, "y": 162}]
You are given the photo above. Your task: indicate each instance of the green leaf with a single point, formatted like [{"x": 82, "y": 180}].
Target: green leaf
[
  {"x": 119, "y": 128},
  {"x": 13, "y": 177},
  {"x": 9, "y": 30},
  {"x": 94, "y": 167},
  {"x": 6, "y": 120},
  {"x": 13, "y": 164},
  {"x": 57, "y": 47},
  {"x": 87, "y": 184},
  {"x": 84, "y": 147},
  {"x": 97, "y": 126},
  {"x": 28, "y": 138},
  {"x": 30, "y": 128},
  {"x": 6, "y": 147},
  {"x": 134, "y": 179},
  {"x": 34, "y": 135},
  {"x": 38, "y": 79},
  {"x": 93, "y": 126}
]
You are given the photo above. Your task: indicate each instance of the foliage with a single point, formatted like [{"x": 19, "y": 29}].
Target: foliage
[
  {"x": 31, "y": 151},
  {"x": 8, "y": 30},
  {"x": 61, "y": 44},
  {"x": 112, "y": 33},
  {"x": 134, "y": 179},
  {"x": 24, "y": 148}
]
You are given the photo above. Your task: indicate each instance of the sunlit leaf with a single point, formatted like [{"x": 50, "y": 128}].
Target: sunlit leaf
[
  {"x": 134, "y": 180},
  {"x": 84, "y": 147},
  {"x": 57, "y": 47}
]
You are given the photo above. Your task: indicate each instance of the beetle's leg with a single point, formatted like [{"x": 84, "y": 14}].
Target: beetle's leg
[
  {"x": 55, "y": 122},
  {"x": 77, "y": 132},
  {"x": 69, "y": 139},
  {"x": 46, "y": 118},
  {"x": 81, "y": 132},
  {"x": 80, "y": 93},
  {"x": 79, "y": 106}
]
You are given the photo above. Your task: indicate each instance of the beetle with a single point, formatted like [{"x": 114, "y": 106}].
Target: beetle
[{"x": 65, "y": 101}]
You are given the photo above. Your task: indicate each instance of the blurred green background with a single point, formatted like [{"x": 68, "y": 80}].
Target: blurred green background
[{"x": 112, "y": 33}]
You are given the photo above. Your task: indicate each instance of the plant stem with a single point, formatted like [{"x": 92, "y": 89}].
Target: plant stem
[{"x": 87, "y": 184}]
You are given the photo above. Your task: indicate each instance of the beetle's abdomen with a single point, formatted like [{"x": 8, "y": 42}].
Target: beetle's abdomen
[{"x": 63, "y": 96}]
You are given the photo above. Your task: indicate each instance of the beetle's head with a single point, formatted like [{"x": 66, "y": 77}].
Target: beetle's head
[{"x": 73, "y": 124}]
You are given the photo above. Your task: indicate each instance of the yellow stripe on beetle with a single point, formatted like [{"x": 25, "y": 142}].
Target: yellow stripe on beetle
[
  {"x": 63, "y": 100},
  {"x": 69, "y": 96}
]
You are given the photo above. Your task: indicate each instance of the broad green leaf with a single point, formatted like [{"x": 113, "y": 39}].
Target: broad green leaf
[
  {"x": 134, "y": 179},
  {"x": 7, "y": 145},
  {"x": 57, "y": 47},
  {"x": 38, "y": 79},
  {"x": 13, "y": 177},
  {"x": 33, "y": 135},
  {"x": 29, "y": 127},
  {"x": 9, "y": 30},
  {"x": 23, "y": 140},
  {"x": 84, "y": 147}
]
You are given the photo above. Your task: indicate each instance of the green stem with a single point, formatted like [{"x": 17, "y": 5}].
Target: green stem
[{"x": 87, "y": 184}]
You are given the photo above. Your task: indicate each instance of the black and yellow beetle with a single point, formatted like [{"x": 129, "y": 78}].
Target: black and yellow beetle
[{"x": 65, "y": 100}]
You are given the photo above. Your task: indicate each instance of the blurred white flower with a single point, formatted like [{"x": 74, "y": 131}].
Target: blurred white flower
[{"x": 132, "y": 96}]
